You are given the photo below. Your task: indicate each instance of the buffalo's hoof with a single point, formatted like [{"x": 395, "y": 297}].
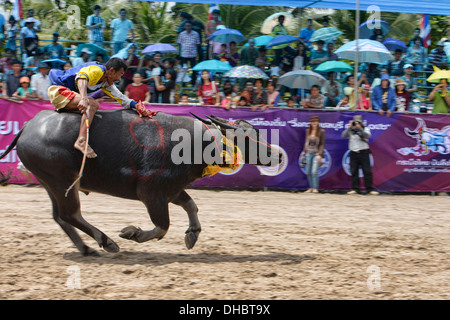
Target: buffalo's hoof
[
  {"x": 191, "y": 238},
  {"x": 130, "y": 233},
  {"x": 111, "y": 246}
]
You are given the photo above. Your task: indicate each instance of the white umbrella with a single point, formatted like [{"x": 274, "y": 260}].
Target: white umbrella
[
  {"x": 272, "y": 21},
  {"x": 301, "y": 79},
  {"x": 368, "y": 51}
]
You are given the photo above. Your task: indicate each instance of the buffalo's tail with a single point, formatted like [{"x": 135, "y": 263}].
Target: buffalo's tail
[{"x": 12, "y": 144}]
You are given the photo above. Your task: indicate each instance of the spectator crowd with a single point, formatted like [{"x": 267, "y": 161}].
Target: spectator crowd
[{"x": 154, "y": 78}]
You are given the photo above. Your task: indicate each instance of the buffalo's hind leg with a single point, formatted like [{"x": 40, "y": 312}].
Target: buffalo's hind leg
[
  {"x": 69, "y": 212},
  {"x": 158, "y": 209},
  {"x": 70, "y": 230},
  {"x": 192, "y": 233}
]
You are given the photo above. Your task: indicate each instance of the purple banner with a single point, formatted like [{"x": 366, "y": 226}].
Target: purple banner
[{"x": 410, "y": 152}]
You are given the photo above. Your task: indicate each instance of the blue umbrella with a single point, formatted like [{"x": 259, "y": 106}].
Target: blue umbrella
[
  {"x": 394, "y": 44},
  {"x": 159, "y": 47},
  {"x": 227, "y": 36},
  {"x": 325, "y": 34},
  {"x": 369, "y": 51},
  {"x": 55, "y": 63},
  {"x": 94, "y": 49},
  {"x": 212, "y": 66},
  {"x": 336, "y": 66},
  {"x": 260, "y": 41},
  {"x": 367, "y": 28},
  {"x": 281, "y": 39}
]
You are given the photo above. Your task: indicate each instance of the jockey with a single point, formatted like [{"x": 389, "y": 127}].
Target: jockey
[{"x": 69, "y": 90}]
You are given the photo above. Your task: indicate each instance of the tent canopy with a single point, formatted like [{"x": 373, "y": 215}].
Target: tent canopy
[{"x": 441, "y": 7}]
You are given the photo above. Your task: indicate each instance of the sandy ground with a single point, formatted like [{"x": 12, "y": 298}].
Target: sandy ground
[{"x": 254, "y": 245}]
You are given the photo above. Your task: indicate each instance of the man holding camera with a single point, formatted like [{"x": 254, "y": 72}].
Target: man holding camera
[{"x": 359, "y": 135}]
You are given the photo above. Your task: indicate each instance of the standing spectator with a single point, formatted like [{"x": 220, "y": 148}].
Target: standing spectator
[
  {"x": 261, "y": 59},
  {"x": 40, "y": 82},
  {"x": 383, "y": 97},
  {"x": 6, "y": 61},
  {"x": 196, "y": 26},
  {"x": 233, "y": 56},
  {"x": 30, "y": 17},
  {"x": 24, "y": 92},
  {"x": 437, "y": 56},
  {"x": 55, "y": 50},
  {"x": 332, "y": 90},
  {"x": 365, "y": 101},
  {"x": 247, "y": 92},
  {"x": 440, "y": 97},
  {"x": 189, "y": 41},
  {"x": 13, "y": 79},
  {"x": 85, "y": 54},
  {"x": 121, "y": 27},
  {"x": 137, "y": 90},
  {"x": 358, "y": 136},
  {"x": 166, "y": 86},
  {"x": 343, "y": 103},
  {"x": 249, "y": 54},
  {"x": 395, "y": 67},
  {"x": 96, "y": 27},
  {"x": 411, "y": 82},
  {"x": 132, "y": 62},
  {"x": 313, "y": 152},
  {"x": 208, "y": 90},
  {"x": 211, "y": 27},
  {"x": 402, "y": 96},
  {"x": 11, "y": 34},
  {"x": 306, "y": 33},
  {"x": 376, "y": 32},
  {"x": 315, "y": 99},
  {"x": 301, "y": 58},
  {"x": 279, "y": 30},
  {"x": 273, "y": 96},
  {"x": 318, "y": 56},
  {"x": 330, "y": 53},
  {"x": 349, "y": 89},
  {"x": 417, "y": 54},
  {"x": 227, "y": 101},
  {"x": 416, "y": 36},
  {"x": 29, "y": 39},
  {"x": 258, "y": 98}
]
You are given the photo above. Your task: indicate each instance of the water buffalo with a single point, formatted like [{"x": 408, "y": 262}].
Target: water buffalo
[{"x": 134, "y": 162}]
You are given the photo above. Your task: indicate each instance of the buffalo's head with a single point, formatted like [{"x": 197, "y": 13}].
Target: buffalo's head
[{"x": 250, "y": 141}]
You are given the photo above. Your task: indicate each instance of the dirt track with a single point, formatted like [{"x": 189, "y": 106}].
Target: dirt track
[{"x": 254, "y": 245}]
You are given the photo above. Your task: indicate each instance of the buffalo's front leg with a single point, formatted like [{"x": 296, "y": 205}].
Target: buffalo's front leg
[
  {"x": 158, "y": 209},
  {"x": 192, "y": 233}
]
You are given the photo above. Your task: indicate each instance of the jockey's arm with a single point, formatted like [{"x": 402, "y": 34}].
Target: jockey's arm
[{"x": 82, "y": 85}]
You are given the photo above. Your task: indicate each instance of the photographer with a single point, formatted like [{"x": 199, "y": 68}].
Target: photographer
[{"x": 359, "y": 135}]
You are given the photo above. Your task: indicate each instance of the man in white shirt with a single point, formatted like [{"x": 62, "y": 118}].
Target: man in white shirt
[
  {"x": 40, "y": 82},
  {"x": 120, "y": 29}
]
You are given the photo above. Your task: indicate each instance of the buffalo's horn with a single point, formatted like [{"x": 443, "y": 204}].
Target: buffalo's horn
[
  {"x": 201, "y": 119},
  {"x": 223, "y": 124}
]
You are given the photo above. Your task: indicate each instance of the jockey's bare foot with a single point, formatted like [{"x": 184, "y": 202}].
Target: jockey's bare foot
[{"x": 81, "y": 146}]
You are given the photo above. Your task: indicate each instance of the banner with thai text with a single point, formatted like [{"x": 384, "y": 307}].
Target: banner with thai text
[{"x": 410, "y": 152}]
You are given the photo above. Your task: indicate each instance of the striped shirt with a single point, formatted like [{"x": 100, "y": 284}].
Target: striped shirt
[
  {"x": 188, "y": 42},
  {"x": 95, "y": 34}
]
